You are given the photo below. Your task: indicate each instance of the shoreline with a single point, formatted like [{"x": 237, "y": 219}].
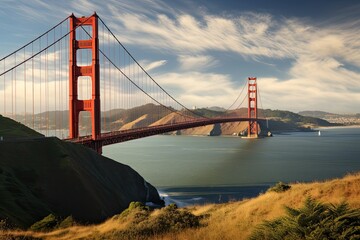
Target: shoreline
[{"x": 338, "y": 127}]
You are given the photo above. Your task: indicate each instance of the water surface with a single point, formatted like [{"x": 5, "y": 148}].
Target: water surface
[{"x": 189, "y": 169}]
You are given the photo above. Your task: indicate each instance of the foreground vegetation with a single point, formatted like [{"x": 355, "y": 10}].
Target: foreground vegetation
[
  {"x": 319, "y": 210},
  {"x": 315, "y": 220}
]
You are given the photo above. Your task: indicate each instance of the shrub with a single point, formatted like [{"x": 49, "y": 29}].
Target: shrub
[
  {"x": 46, "y": 224},
  {"x": 52, "y": 222},
  {"x": 314, "y": 220},
  {"x": 168, "y": 219},
  {"x": 138, "y": 209},
  {"x": 279, "y": 187},
  {"x": 67, "y": 222},
  {"x": 174, "y": 219}
]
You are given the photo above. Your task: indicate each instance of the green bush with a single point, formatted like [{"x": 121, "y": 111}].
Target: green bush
[
  {"x": 67, "y": 222},
  {"x": 52, "y": 222},
  {"x": 169, "y": 219},
  {"x": 46, "y": 224},
  {"x": 279, "y": 187},
  {"x": 313, "y": 221},
  {"x": 138, "y": 209},
  {"x": 174, "y": 219}
]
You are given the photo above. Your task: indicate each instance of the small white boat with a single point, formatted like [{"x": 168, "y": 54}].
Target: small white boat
[{"x": 319, "y": 133}]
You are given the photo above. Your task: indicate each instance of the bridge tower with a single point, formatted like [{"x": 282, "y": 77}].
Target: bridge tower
[
  {"x": 252, "y": 107},
  {"x": 91, "y": 105}
]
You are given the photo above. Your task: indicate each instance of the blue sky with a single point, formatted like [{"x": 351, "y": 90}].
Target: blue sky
[{"x": 306, "y": 54}]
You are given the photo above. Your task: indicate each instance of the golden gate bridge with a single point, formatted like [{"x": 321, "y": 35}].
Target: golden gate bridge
[{"x": 78, "y": 73}]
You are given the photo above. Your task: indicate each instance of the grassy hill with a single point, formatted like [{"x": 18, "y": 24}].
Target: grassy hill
[
  {"x": 39, "y": 176},
  {"x": 233, "y": 220}
]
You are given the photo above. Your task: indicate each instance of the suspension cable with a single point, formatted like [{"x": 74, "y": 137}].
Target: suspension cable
[
  {"x": 136, "y": 85},
  {"x": 148, "y": 73},
  {"x": 242, "y": 101},
  {"x": 237, "y": 97},
  {"x": 35, "y": 39},
  {"x": 263, "y": 111},
  {"x": 43, "y": 50}
]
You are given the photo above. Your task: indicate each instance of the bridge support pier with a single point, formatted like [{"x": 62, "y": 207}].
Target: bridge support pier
[
  {"x": 252, "y": 108},
  {"x": 91, "y": 105}
]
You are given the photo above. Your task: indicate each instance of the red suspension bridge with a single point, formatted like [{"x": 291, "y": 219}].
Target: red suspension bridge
[{"x": 77, "y": 79}]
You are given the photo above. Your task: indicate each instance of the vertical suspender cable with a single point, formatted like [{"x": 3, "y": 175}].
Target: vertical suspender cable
[
  {"x": 25, "y": 87},
  {"x": 15, "y": 96},
  {"x": 33, "y": 92},
  {"x": 4, "y": 89},
  {"x": 60, "y": 85},
  {"x": 40, "y": 87},
  {"x": 47, "y": 84},
  {"x": 110, "y": 84},
  {"x": 55, "y": 88}
]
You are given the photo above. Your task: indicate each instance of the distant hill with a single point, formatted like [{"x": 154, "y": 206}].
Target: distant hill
[
  {"x": 218, "y": 109},
  {"x": 151, "y": 114},
  {"x": 344, "y": 119},
  {"x": 39, "y": 176},
  {"x": 317, "y": 114},
  {"x": 298, "y": 119}
]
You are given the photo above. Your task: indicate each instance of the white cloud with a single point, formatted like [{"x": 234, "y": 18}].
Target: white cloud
[
  {"x": 196, "y": 62},
  {"x": 200, "y": 89},
  {"x": 324, "y": 59},
  {"x": 153, "y": 65}
]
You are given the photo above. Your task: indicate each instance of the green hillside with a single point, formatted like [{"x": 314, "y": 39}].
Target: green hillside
[{"x": 39, "y": 176}]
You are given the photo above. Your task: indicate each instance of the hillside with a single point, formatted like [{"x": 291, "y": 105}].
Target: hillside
[
  {"x": 318, "y": 114},
  {"x": 39, "y": 176},
  {"x": 233, "y": 220},
  {"x": 344, "y": 119},
  {"x": 10, "y": 129}
]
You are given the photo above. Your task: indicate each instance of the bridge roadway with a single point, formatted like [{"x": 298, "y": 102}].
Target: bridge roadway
[{"x": 131, "y": 134}]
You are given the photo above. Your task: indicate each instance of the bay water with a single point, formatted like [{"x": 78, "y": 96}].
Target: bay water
[{"x": 197, "y": 170}]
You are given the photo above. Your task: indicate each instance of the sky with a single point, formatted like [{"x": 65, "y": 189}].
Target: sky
[{"x": 305, "y": 54}]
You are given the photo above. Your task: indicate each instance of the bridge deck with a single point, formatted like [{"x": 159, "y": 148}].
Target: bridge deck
[{"x": 131, "y": 134}]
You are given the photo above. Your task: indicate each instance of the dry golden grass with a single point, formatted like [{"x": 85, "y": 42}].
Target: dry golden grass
[{"x": 235, "y": 220}]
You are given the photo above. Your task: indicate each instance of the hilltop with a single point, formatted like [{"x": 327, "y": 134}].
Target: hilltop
[
  {"x": 233, "y": 220},
  {"x": 41, "y": 176},
  {"x": 10, "y": 129}
]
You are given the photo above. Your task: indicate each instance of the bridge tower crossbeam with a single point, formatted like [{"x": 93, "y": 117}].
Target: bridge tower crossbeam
[{"x": 91, "y": 105}]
